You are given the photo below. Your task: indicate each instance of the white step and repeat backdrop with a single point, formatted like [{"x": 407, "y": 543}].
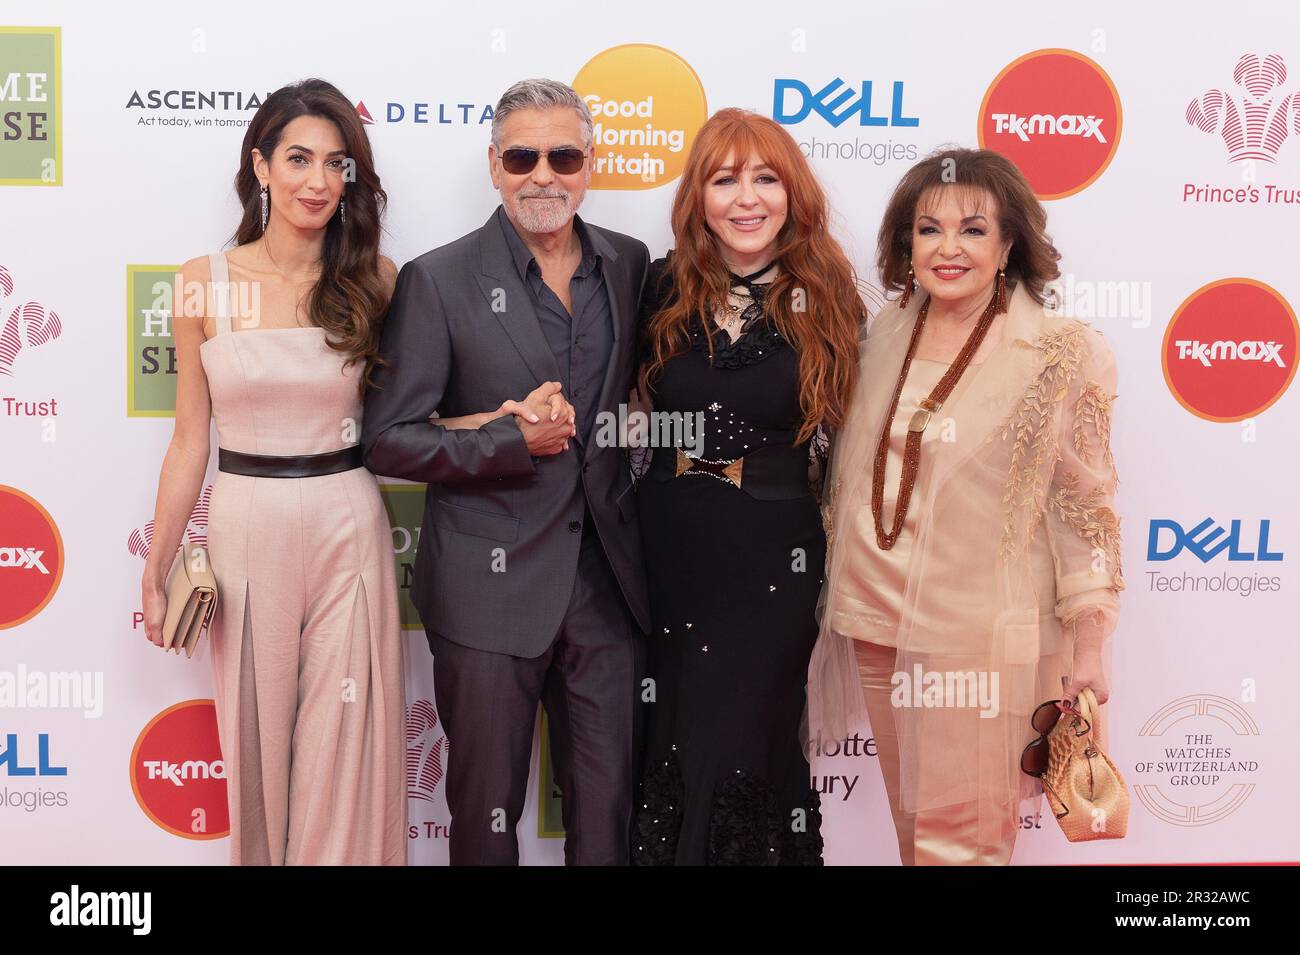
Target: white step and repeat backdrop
[{"x": 1163, "y": 140}]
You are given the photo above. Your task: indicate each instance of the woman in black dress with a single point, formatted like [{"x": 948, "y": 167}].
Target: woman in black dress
[{"x": 751, "y": 326}]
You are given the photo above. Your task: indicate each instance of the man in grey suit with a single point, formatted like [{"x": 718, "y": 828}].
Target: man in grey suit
[{"x": 528, "y": 578}]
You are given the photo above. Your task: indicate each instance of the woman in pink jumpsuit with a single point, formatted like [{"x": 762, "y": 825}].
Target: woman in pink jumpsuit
[{"x": 306, "y": 640}]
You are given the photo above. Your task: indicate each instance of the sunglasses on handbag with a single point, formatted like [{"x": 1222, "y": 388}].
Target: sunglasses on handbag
[
  {"x": 519, "y": 160},
  {"x": 1034, "y": 758}
]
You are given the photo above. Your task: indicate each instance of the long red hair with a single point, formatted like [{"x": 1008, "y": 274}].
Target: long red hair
[{"x": 814, "y": 301}]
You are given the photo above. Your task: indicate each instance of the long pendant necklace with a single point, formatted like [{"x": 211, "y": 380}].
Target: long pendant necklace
[{"x": 916, "y": 427}]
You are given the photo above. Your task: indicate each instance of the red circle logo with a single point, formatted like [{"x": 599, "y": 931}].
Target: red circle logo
[
  {"x": 31, "y": 557},
  {"x": 1057, "y": 116},
  {"x": 177, "y": 773},
  {"x": 1230, "y": 349}
]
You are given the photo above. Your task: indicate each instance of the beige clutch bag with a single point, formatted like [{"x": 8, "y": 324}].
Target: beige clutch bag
[
  {"x": 1082, "y": 785},
  {"x": 191, "y": 599}
]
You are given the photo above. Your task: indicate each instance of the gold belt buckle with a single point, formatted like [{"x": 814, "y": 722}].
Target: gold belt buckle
[{"x": 729, "y": 471}]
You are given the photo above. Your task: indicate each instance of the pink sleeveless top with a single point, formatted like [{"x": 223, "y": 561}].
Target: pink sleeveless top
[{"x": 276, "y": 391}]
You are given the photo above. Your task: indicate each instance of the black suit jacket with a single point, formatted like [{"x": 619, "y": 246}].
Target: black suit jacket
[{"x": 498, "y": 548}]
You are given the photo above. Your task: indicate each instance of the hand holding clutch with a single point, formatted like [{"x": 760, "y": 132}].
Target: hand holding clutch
[{"x": 191, "y": 599}]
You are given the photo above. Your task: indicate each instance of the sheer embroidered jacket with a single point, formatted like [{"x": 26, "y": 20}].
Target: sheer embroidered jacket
[{"x": 1017, "y": 544}]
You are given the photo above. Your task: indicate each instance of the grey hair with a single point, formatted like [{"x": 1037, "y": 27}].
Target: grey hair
[{"x": 539, "y": 94}]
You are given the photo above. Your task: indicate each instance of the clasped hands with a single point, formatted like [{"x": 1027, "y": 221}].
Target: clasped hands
[{"x": 545, "y": 417}]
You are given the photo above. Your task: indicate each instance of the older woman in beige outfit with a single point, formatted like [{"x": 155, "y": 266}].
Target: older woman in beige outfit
[{"x": 974, "y": 566}]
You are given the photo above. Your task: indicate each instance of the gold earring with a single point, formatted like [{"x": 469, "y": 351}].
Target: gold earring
[{"x": 1000, "y": 293}]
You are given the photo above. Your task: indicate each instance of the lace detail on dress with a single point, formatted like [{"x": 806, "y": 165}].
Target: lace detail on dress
[
  {"x": 638, "y": 462},
  {"x": 757, "y": 342},
  {"x": 745, "y": 828},
  {"x": 819, "y": 452},
  {"x": 758, "y": 337},
  {"x": 749, "y": 828},
  {"x": 658, "y": 816},
  {"x": 746, "y": 825}
]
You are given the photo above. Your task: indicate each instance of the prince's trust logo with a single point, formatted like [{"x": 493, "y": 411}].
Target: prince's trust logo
[
  {"x": 23, "y": 327},
  {"x": 1254, "y": 125}
]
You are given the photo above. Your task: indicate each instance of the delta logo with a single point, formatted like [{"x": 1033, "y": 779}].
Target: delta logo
[
  {"x": 1057, "y": 116},
  {"x": 426, "y": 113},
  {"x": 1230, "y": 349}
]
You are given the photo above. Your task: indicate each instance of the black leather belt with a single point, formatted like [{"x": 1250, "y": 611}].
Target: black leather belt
[
  {"x": 769, "y": 474},
  {"x": 291, "y": 465}
]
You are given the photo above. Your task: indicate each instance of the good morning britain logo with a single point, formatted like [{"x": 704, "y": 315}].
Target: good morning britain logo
[
  {"x": 646, "y": 105},
  {"x": 1057, "y": 116},
  {"x": 31, "y": 111}
]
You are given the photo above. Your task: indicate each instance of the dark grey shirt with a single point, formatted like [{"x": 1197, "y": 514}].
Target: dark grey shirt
[{"x": 582, "y": 342}]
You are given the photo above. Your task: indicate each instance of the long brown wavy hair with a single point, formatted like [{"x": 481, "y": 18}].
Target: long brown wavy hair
[
  {"x": 350, "y": 297},
  {"x": 978, "y": 173},
  {"x": 813, "y": 302}
]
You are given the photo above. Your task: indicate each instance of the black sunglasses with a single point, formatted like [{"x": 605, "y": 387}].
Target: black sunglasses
[
  {"x": 1034, "y": 758},
  {"x": 1033, "y": 761},
  {"x": 565, "y": 160}
]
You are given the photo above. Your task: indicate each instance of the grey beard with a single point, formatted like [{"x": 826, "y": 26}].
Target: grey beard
[{"x": 534, "y": 219}]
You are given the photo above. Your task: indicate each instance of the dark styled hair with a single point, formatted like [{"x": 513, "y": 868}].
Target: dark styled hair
[
  {"x": 350, "y": 297},
  {"x": 979, "y": 173}
]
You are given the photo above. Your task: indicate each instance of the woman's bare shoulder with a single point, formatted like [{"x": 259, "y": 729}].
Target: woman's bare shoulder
[{"x": 197, "y": 269}]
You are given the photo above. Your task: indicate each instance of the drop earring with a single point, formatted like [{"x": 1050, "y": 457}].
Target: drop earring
[
  {"x": 908, "y": 287},
  {"x": 343, "y": 216},
  {"x": 1000, "y": 293},
  {"x": 266, "y": 205}
]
